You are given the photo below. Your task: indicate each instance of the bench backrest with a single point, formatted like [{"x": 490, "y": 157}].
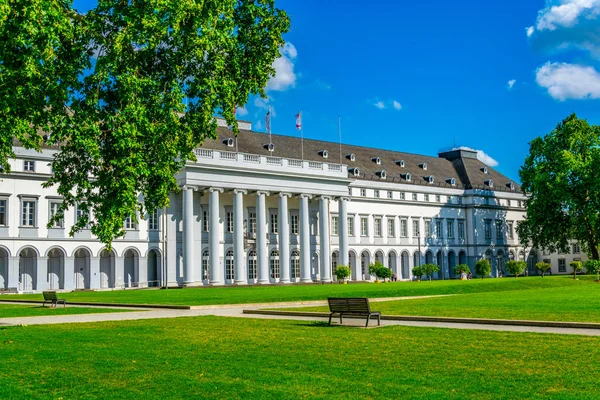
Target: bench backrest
[
  {"x": 50, "y": 296},
  {"x": 351, "y": 304}
]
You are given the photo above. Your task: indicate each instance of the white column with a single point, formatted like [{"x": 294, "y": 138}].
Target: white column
[
  {"x": 188, "y": 234},
  {"x": 69, "y": 273},
  {"x": 324, "y": 235},
  {"x": 284, "y": 238},
  {"x": 343, "y": 231},
  {"x": 13, "y": 272},
  {"x": 94, "y": 273},
  {"x": 262, "y": 251},
  {"x": 119, "y": 272},
  {"x": 142, "y": 271},
  {"x": 304, "y": 239},
  {"x": 216, "y": 270},
  {"x": 42, "y": 273},
  {"x": 238, "y": 236}
]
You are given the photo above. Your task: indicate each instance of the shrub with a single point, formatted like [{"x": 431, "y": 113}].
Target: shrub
[
  {"x": 430, "y": 269},
  {"x": 577, "y": 267},
  {"x": 418, "y": 271},
  {"x": 483, "y": 268},
  {"x": 377, "y": 269},
  {"x": 342, "y": 272},
  {"x": 385, "y": 273},
  {"x": 543, "y": 267},
  {"x": 593, "y": 267},
  {"x": 516, "y": 268},
  {"x": 460, "y": 268}
]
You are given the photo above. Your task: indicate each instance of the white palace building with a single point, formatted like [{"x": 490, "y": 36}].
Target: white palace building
[{"x": 253, "y": 211}]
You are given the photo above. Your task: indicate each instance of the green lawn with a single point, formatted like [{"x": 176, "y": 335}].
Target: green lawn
[
  {"x": 212, "y": 357},
  {"x": 18, "y": 310},
  {"x": 577, "y": 302},
  {"x": 260, "y": 294}
]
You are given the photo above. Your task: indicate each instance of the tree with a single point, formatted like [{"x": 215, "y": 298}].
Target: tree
[
  {"x": 577, "y": 266},
  {"x": 418, "y": 271},
  {"x": 385, "y": 273},
  {"x": 378, "y": 269},
  {"x": 516, "y": 268},
  {"x": 543, "y": 267},
  {"x": 483, "y": 268},
  {"x": 342, "y": 272},
  {"x": 593, "y": 267},
  {"x": 460, "y": 268},
  {"x": 560, "y": 179},
  {"x": 430, "y": 269},
  {"x": 127, "y": 91}
]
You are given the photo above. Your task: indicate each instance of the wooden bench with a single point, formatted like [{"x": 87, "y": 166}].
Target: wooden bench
[
  {"x": 352, "y": 306},
  {"x": 52, "y": 298}
]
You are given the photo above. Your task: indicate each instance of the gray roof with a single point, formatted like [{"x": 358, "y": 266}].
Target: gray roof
[{"x": 460, "y": 165}]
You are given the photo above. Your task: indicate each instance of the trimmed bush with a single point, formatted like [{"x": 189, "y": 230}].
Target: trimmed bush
[
  {"x": 418, "y": 271},
  {"x": 342, "y": 272},
  {"x": 577, "y": 266},
  {"x": 516, "y": 268},
  {"x": 430, "y": 269},
  {"x": 543, "y": 267},
  {"x": 593, "y": 267},
  {"x": 483, "y": 268}
]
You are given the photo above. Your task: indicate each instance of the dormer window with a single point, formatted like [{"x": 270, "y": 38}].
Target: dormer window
[
  {"x": 228, "y": 142},
  {"x": 451, "y": 181},
  {"x": 29, "y": 166},
  {"x": 429, "y": 179},
  {"x": 511, "y": 185},
  {"x": 270, "y": 147},
  {"x": 484, "y": 170},
  {"x": 355, "y": 172},
  {"x": 400, "y": 163},
  {"x": 424, "y": 166},
  {"x": 376, "y": 160},
  {"x": 351, "y": 157},
  {"x": 324, "y": 153},
  {"x": 489, "y": 183},
  {"x": 382, "y": 174},
  {"x": 406, "y": 177}
]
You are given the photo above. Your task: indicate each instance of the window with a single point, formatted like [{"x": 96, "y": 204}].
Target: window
[
  {"x": 350, "y": 226},
  {"x": 438, "y": 198},
  {"x": 252, "y": 222},
  {"x": 80, "y": 213},
  {"x": 334, "y": 262},
  {"x": 562, "y": 265},
  {"x": 488, "y": 229},
  {"x": 450, "y": 228},
  {"x": 403, "y": 228},
  {"x": 511, "y": 230},
  {"x": 28, "y": 214},
  {"x": 3, "y": 214},
  {"x": 295, "y": 261},
  {"x": 391, "y": 228},
  {"x": 426, "y": 196},
  {"x": 498, "y": 229},
  {"x": 414, "y": 197},
  {"x": 129, "y": 223},
  {"x": 205, "y": 220},
  {"x": 376, "y": 193},
  {"x": 273, "y": 223},
  {"x": 229, "y": 265},
  {"x": 378, "y": 227},
  {"x": 402, "y": 196},
  {"x": 274, "y": 261},
  {"x": 364, "y": 226},
  {"x": 29, "y": 166},
  {"x": 252, "y": 264},
  {"x": 439, "y": 229},
  {"x": 294, "y": 223},
  {"x": 334, "y": 225},
  {"x": 363, "y": 192},
  {"x": 153, "y": 220},
  {"x": 461, "y": 230},
  {"x": 229, "y": 227},
  {"x": 427, "y": 228},
  {"x": 53, "y": 208},
  {"x": 576, "y": 248},
  {"x": 416, "y": 230},
  {"x": 205, "y": 259},
  {"x": 390, "y": 194}
]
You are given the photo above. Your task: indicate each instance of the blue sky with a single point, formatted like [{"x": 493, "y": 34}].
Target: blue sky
[{"x": 421, "y": 76}]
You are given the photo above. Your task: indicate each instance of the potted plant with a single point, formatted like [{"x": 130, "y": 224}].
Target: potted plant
[
  {"x": 516, "y": 267},
  {"x": 483, "y": 268},
  {"x": 543, "y": 267},
  {"x": 593, "y": 267},
  {"x": 417, "y": 271},
  {"x": 342, "y": 272},
  {"x": 577, "y": 267}
]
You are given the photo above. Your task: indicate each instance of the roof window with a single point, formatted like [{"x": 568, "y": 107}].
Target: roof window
[
  {"x": 270, "y": 147},
  {"x": 429, "y": 179},
  {"x": 381, "y": 174},
  {"x": 407, "y": 177},
  {"x": 451, "y": 181},
  {"x": 376, "y": 160},
  {"x": 424, "y": 166},
  {"x": 510, "y": 185},
  {"x": 400, "y": 163},
  {"x": 489, "y": 183},
  {"x": 484, "y": 170},
  {"x": 355, "y": 172},
  {"x": 324, "y": 153},
  {"x": 351, "y": 157},
  {"x": 228, "y": 142}
]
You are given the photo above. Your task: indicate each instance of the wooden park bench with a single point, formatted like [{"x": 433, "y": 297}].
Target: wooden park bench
[
  {"x": 352, "y": 306},
  {"x": 50, "y": 297}
]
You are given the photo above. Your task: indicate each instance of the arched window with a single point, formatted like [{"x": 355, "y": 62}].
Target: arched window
[
  {"x": 416, "y": 259},
  {"x": 334, "y": 262},
  {"x": 379, "y": 257},
  {"x": 205, "y": 258},
  {"x": 364, "y": 263},
  {"x": 252, "y": 264},
  {"x": 229, "y": 265},
  {"x": 295, "y": 264},
  {"x": 274, "y": 261},
  {"x": 500, "y": 262}
]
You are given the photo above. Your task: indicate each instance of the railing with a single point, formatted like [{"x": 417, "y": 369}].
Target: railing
[
  {"x": 227, "y": 155},
  {"x": 295, "y": 163},
  {"x": 204, "y": 153},
  {"x": 334, "y": 167},
  {"x": 315, "y": 165},
  {"x": 274, "y": 161},
  {"x": 252, "y": 158}
]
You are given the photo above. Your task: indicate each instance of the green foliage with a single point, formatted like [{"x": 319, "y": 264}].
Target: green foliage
[
  {"x": 430, "y": 269},
  {"x": 577, "y": 266},
  {"x": 385, "y": 273},
  {"x": 483, "y": 268},
  {"x": 560, "y": 179},
  {"x": 342, "y": 272},
  {"x": 154, "y": 73},
  {"x": 593, "y": 267},
  {"x": 516, "y": 268},
  {"x": 543, "y": 267},
  {"x": 379, "y": 270},
  {"x": 460, "y": 268},
  {"x": 418, "y": 271}
]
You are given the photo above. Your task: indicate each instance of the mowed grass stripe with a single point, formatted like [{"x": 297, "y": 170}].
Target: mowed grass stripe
[
  {"x": 219, "y": 358},
  {"x": 18, "y": 310}
]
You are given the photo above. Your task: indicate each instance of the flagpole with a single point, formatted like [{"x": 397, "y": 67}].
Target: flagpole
[
  {"x": 270, "y": 123},
  {"x": 340, "y": 135}
]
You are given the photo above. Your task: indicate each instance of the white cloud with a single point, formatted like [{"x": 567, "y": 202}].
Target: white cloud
[
  {"x": 511, "y": 83},
  {"x": 566, "y": 13},
  {"x": 530, "y": 31},
  {"x": 481, "y": 156},
  {"x": 397, "y": 105},
  {"x": 569, "y": 81},
  {"x": 380, "y": 105},
  {"x": 241, "y": 111},
  {"x": 285, "y": 77}
]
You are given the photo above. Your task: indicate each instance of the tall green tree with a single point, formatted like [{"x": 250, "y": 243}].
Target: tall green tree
[
  {"x": 560, "y": 178},
  {"x": 128, "y": 91}
]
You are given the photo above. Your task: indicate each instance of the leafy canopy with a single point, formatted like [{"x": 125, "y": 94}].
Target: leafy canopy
[
  {"x": 516, "y": 268},
  {"x": 483, "y": 268},
  {"x": 560, "y": 178},
  {"x": 128, "y": 91},
  {"x": 430, "y": 269}
]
